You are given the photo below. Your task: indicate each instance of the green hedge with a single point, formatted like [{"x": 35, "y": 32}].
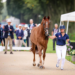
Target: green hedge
[{"x": 72, "y": 36}]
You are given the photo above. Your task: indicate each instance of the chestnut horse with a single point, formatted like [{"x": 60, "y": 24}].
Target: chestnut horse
[{"x": 39, "y": 37}]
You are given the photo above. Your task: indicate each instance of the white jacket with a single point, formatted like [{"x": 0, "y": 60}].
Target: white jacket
[{"x": 25, "y": 34}]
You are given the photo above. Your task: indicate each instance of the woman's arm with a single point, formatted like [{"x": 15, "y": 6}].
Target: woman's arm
[
  {"x": 52, "y": 37},
  {"x": 68, "y": 41}
]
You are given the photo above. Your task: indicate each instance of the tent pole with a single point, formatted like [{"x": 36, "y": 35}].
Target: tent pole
[
  {"x": 67, "y": 27},
  {"x": 60, "y": 24}
]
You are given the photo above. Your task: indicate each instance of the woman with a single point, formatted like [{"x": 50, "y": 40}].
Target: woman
[
  {"x": 25, "y": 33},
  {"x": 62, "y": 37},
  {"x": 1, "y": 34}
]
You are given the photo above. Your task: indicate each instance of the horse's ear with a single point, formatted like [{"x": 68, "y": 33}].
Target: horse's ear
[
  {"x": 44, "y": 17},
  {"x": 48, "y": 17}
]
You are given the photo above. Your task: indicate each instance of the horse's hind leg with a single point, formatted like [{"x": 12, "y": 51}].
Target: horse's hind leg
[{"x": 33, "y": 47}]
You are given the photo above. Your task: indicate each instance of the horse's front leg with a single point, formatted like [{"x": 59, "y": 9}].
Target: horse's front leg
[
  {"x": 40, "y": 58},
  {"x": 44, "y": 55}
]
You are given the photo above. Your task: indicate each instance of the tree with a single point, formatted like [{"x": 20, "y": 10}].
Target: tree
[
  {"x": 26, "y": 9},
  {"x": 1, "y": 7}
]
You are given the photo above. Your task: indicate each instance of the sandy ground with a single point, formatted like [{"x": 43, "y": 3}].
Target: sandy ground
[{"x": 20, "y": 63}]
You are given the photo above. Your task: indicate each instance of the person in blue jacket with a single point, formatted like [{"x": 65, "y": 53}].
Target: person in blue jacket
[
  {"x": 19, "y": 34},
  {"x": 61, "y": 48},
  {"x": 9, "y": 30},
  {"x": 1, "y": 34}
]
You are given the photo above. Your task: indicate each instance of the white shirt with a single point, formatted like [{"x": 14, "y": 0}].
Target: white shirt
[
  {"x": 25, "y": 34},
  {"x": 9, "y": 29},
  {"x": 19, "y": 30},
  {"x": 31, "y": 27}
]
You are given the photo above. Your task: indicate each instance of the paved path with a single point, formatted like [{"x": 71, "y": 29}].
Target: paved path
[{"x": 20, "y": 63}]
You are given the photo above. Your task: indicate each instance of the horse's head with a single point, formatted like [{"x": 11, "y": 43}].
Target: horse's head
[{"x": 46, "y": 24}]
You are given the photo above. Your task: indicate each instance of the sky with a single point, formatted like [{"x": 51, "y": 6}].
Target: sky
[{"x": 3, "y": 0}]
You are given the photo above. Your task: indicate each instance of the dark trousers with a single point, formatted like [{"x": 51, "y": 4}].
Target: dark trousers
[
  {"x": 13, "y": 42},
  {"x": 0, "y": 40},
  {"x": 4, "y": 41},
  {"x": 54, "y": 40},
  {"x": 27, "y": 41}
]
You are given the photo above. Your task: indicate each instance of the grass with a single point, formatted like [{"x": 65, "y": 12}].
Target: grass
[
  {"x": 50, "y": 47},
  {"x": 69, "y": 58}
]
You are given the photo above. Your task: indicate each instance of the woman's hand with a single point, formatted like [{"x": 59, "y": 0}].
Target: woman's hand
[{"x": 52, "y": 37}]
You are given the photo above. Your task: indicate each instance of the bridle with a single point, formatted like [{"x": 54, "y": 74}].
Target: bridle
[{"x": 45, "y": 28}]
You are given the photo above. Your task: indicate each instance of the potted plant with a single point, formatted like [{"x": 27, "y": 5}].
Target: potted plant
[
  {"x": 69, "y": 48},
  {"x": 73, "y": 55}
]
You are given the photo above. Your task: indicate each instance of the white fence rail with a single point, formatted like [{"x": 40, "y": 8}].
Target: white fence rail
[{"x": 15, "y": 48}]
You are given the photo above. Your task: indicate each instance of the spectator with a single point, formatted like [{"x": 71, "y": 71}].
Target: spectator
[
  {"x": 25, "y": 33},
  {"x": 24, "y": 39},
  {"x": 28, "y": 34},
  {"x": 16, "y": 35},
  {"x": 36, "y": 24},
  {"x": 8, "y": 36},
  {"x": 3, "y": 39},
  {"x": 1, "y": 34},
  {"x": 13, "y": 43},
  {"x": 54, "y": 32},
  {"x": 31, "y": 25},
  {"x": 19, "y": 34},
  {"x": 16, "y": 28}
]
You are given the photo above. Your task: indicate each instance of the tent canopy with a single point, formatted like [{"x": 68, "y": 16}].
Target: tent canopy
[{"x": 68, "y": 17}]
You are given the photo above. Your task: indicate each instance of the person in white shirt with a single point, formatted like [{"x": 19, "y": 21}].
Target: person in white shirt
[
  {"x": 25, "y": 33},
  {"x": 31, "y": 26}
]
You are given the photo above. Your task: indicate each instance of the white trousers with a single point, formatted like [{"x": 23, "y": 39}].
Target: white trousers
[
  {"x": 61, "y": 53},
  {"x": 19, "y": 43}
]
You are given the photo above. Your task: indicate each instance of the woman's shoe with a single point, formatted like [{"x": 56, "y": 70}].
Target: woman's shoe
[
  {"x": 61, "y": 68},
  {"x": 57, "y": 65}
]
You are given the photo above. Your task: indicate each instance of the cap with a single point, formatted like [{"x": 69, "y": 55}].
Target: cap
[
  {"x": 8, "y": 20},
  {"x": 26, "y": 25},
  {"x": 20, "y": 25},
  {"x": 62, "y": 27}
]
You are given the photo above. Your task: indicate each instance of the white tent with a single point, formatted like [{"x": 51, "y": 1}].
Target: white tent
[
  {"x": 14, "y": 20},
  {"x": 68, "y": 17}
]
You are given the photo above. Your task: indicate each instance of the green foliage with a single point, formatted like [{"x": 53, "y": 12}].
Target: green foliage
[
  {"x": 72, "y": 36},
  {"x": 72, "y": 52},
  {"x": 24, "y": 9},
  {"x": 1, "y": 6}
]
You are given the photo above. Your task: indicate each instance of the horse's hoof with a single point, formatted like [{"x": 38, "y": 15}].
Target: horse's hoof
[
  {"x": 38, "y": 65},
  {"x": 42, "y": 67},
  {"x": 34, "y": 64}
]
